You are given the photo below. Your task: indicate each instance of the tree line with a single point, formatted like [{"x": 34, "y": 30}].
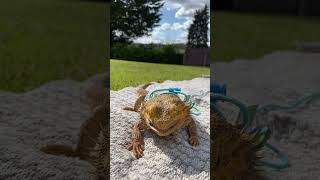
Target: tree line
[{"x": 136, "y": 18}]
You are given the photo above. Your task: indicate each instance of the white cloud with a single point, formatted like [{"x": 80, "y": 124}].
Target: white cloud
[
  {"x": 183, "y": 37},
  {"x": 161, "y": 36},
  {"x": 185, "y": 13},
  {"x": 147, "y": 40},
  {"x": 176, "y": 26},
  {"x": 165, "y": 26},
  {"x": 185, "y": 10},
  {"x": 155, "y": 37}
]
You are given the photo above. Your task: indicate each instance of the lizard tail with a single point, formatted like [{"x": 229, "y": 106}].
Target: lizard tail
[
  {"x": 142, "y": 90},
  {"x": 145, "y": 86},
  {"x": 60, "y": 150}
]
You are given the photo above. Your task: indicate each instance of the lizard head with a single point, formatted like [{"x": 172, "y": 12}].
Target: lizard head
[{"x": 165, "y": 114}]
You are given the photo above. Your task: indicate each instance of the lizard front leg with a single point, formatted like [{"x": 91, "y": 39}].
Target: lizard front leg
[
  {"x": 142, "y": 94},
  {"x": 192, "y": 131},
  {"x": 136, "y": 144},
  {"x": 137, "y": 105}
]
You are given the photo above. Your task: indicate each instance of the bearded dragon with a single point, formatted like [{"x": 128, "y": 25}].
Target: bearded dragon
[{"x": 164, "y": 115}]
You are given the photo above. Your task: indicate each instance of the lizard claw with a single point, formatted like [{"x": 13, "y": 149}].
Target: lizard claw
[
  {"x": 137, "y": 148},
  {"x": 193, "y": 140}
]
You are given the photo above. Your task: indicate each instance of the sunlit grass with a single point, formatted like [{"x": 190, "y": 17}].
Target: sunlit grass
[
  {"x": 241, "y": 35},
  {"x": 129, "y": 73},
  {"x": 45, "y": 40}
]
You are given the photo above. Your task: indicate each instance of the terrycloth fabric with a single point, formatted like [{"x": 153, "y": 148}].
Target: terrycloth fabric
[
  {"x": 164, "y": 158},
  {"x": 50, "y": 114},
  {"x": 280, "y": 78}
]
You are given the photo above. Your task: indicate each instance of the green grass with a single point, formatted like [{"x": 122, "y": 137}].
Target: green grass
[
  {"x": 45, "y": 40},
  {"x": 130, "y": 73},
  {"x": 240, "y": 35}
]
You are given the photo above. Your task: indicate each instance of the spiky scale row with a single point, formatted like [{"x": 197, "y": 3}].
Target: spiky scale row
[{"x": 233, "y": 154}]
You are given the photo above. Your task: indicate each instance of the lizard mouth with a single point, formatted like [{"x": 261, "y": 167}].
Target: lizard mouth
[{"x": 164, "y": 132}]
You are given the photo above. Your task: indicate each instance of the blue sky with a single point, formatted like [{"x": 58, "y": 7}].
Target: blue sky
[{"x": 177, "y": 15}]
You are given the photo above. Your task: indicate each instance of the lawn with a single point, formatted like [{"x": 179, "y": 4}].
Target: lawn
[
  {"x": 45, "y": 40},
  {"x": 243, "y": 35},
  {"x": 130, "y": 73}
]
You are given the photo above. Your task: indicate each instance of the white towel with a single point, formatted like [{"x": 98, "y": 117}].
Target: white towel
[{"x": 164, "y": 158}]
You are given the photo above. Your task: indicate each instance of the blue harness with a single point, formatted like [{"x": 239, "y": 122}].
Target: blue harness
[
  {"x": 246, "y": 115},
  {"x": 188, "y": 99}
]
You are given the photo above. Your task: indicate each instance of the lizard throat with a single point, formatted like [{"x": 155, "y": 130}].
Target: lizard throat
[{"x": 165, "y": 132}]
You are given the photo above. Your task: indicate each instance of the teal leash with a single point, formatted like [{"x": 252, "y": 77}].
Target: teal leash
[
  {"x": 177, "y": 91},
  {"x": 304, "y": 100},
  {"x": 246, "y": 116},
  {"x": 261, "y": 135},
  {"x": 284, "y": 160},
  {"x": 273, "y": 107}
]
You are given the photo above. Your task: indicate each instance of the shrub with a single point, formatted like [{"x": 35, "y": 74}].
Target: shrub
[{"x": 165, "y": 54}]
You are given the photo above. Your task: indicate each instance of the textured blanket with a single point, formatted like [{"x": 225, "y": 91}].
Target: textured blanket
[
  {"x": 50, "y": 114},
  {"x": 53, "y": 113},
  {"x": 280, "y": 78},
  {"x": 164, "y": 158}
]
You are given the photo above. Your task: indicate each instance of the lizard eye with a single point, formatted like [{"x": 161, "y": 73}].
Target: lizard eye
[{"x": 151, "y": 124}]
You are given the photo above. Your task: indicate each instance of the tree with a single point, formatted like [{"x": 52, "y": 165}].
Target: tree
[
  {"x": 131, "y": 19},
  {"x": 198, "y": 30}
]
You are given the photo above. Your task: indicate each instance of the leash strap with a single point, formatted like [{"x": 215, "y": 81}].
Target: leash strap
[
  {"x": 246, "y": 116},
  {"x": 176, "y": 91}
]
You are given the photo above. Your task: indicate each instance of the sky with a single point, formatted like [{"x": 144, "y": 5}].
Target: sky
[{"x": 177, "y": 15}]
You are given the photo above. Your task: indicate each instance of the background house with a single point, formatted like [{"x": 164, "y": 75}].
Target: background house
[{"x": 197, "y": 57}]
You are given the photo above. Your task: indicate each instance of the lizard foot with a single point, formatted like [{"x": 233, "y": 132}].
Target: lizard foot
[
  {"x": 137, "y": 148},
  {"x": 193, "y": 140}
]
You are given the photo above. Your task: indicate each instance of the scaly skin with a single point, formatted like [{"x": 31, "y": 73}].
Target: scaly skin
[
  {"x": 233, "y": 154},
  {"x": 164, "y": 115}
]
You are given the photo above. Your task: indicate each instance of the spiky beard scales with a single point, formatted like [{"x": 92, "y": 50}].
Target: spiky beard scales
[{"x": 233, "y": 154}]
